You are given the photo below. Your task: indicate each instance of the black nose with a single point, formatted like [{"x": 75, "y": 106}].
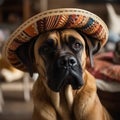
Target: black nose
[{"x": 67, "y": 61}]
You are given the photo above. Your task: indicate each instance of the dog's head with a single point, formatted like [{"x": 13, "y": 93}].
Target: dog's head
[{"x": 60, "y": 57}]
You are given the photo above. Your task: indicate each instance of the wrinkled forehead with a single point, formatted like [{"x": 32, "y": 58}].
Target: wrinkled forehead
[{"x": 59, "y": 36}]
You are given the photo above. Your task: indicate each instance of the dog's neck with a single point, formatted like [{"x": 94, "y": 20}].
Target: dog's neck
[
  {"x": 63, "y": 101},
  {"x": 68, "y": 93}
]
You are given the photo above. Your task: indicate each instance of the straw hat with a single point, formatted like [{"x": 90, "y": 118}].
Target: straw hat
[{"x": 87, "y": 22}]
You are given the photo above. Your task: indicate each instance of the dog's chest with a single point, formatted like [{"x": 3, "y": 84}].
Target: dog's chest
[{"x": 64, "y": 110}]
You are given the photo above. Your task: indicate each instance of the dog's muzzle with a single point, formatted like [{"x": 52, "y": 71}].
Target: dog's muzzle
[{"x": 66, "y": 70}]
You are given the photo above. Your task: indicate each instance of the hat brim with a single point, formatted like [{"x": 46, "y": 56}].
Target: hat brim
[{"x": 87, "y": 22}]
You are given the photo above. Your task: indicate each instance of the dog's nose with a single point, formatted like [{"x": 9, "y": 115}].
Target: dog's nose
[{"x": 67, "y": 61}]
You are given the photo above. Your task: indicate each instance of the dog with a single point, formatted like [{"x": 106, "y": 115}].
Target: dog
[{"x": 64, "y": 90}]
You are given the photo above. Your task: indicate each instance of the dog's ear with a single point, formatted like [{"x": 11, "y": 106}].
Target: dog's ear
[
  {"x": 26, "y": 54},
  {"x": 92, "y": 47}
]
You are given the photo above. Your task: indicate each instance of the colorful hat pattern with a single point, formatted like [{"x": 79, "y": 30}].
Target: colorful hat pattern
[{"x": 87, "y": 22}]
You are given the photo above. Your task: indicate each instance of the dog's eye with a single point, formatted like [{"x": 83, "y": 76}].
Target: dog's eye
[
  {"x": 76, "y": 46},
  {"x": 46, "y": 49}
]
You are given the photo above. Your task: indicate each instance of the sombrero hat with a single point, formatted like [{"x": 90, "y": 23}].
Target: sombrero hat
[{"x": 87, "y": 22}]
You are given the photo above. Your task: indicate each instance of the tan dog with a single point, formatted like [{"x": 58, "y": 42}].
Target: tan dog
[{"x": 65, "y": 90}]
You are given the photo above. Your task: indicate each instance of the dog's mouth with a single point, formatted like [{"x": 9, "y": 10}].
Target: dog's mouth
[
  {"x": 64, "y": 77},
  {"x": 74, "y": 80}
]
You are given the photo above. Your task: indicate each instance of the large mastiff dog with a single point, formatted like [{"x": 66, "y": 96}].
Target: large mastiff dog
[{"x": 64, "y": 90}]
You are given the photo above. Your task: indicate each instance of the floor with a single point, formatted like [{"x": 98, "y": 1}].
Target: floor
[{"x": 15, "y": 107}]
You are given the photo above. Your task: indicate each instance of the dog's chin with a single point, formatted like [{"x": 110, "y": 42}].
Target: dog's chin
[{"x": 70, "y": 78}]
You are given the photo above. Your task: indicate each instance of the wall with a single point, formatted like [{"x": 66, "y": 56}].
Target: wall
[{"x": 99, "y": 9}]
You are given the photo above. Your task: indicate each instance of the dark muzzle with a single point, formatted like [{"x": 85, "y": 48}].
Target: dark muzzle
[{"x": 66, "y": 70}]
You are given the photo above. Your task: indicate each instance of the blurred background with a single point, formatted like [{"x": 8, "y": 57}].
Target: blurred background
[{"x": 15, "y": 86}]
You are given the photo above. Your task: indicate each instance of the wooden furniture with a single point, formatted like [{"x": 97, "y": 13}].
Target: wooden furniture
[
  {"x": 21, "y": 8},
  {"x": 111, "y": 101}
]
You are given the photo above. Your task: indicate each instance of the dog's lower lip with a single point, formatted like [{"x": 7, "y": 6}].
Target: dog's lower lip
[
  {"x": 68, "y": 79},
  {"x": 72, "y": 80}
]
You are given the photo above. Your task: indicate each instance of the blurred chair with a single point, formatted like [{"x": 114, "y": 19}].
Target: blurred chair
[
  {"x": 114, "y": 27},
  {"x": 114, "y": 23},
  {"x": 8, "y": 74}
]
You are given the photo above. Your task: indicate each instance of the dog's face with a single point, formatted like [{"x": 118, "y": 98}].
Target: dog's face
[{"x": 61, "y": 57}]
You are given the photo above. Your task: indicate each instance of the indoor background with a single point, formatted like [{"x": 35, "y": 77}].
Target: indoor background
[{"x": 15, "y": 86}]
